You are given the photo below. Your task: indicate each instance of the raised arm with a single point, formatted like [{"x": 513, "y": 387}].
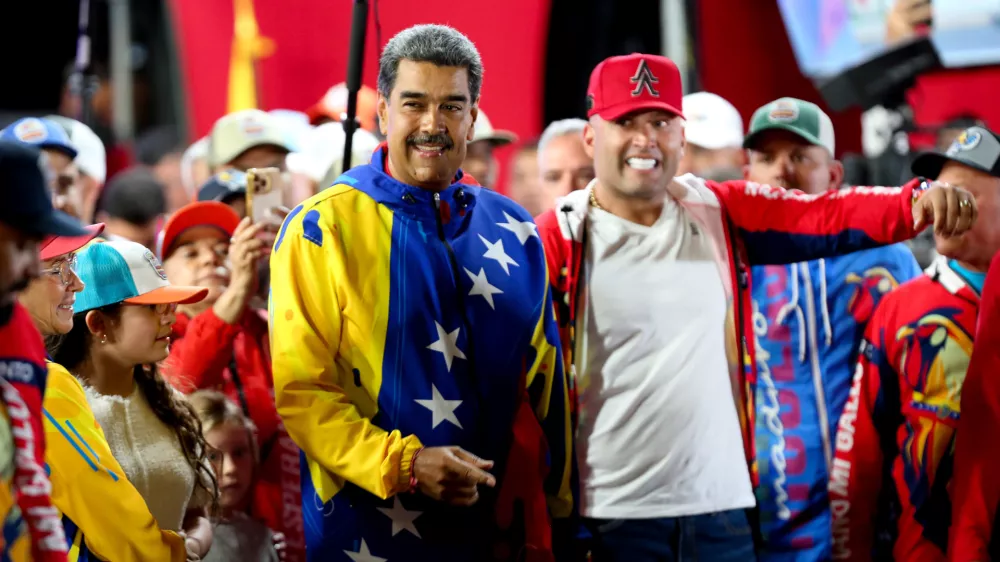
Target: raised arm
[
  {"x": 305, "y": 334},
  {"x": 204, "y": 347},
  {"x": 198, "y": 358},
  {"x": 785, "y": 226}
]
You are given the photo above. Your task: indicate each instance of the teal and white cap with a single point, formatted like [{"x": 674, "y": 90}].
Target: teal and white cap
[
  {"x": 796, "y": 116},
  {"x": 120, "y": 271}
]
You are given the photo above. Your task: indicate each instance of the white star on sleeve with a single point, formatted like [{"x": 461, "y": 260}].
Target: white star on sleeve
[
  {"x": 495, "y": 251},
  {"x": 481, "y": 286},
  {"x": 523, "y": 229},
  {"x": 363, "y": 554},
  {"x": 441, "y": 410},
  {"x": 402, "y": 520},
  {"x": 447, "y": 344}
]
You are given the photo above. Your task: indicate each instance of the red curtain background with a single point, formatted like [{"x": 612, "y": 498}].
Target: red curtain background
[
  {"x": 746, "y": 58},
  {"x": 311, "y": 40}
]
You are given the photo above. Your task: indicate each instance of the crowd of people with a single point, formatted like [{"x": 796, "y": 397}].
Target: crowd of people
[{"x": 675, "y": 339}]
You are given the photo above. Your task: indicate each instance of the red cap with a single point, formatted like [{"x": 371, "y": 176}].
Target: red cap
[
  {"x": 620, "y": 85},
  {"x": 55, "y": 246},
  {"x": 333, "y": 105},
  {"x": 200, "y": 213}
]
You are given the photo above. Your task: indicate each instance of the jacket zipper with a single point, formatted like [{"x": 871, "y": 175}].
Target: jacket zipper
[
  {"x": 817, "y": 376},
  {"x": 487, "y": 495},
  {"x": 455, "y": 272}
]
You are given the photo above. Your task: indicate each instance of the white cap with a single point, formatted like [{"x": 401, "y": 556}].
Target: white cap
[
  {"x": 296, "y": 125},
  {"x": 322, "y": 152},
  {"x": 238, "y": 132},
  {"x": 711, "y": 122},
  {"x": 91, "y": 157},
  {"x": 484, "y": 131}
]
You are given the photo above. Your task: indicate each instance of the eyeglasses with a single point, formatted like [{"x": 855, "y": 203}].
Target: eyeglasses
[{"x": 65, "y": 269}]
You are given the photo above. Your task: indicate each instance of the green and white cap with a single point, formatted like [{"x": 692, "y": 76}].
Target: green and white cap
[{"x": 796, "y": 116}]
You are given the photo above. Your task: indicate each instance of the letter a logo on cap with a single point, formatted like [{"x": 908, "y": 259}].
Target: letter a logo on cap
[{"x": 644, "y": 79}]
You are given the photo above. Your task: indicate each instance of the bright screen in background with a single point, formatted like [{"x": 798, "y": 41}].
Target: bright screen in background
[{"x": 829, "y": 36}]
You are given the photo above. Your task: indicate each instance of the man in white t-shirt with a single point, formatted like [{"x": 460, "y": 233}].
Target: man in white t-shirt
[{"x": 643, "y": 268}]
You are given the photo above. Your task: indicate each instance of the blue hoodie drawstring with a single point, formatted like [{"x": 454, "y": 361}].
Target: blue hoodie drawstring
[
  {"x": 824, "y": 306},
  {"x": 791, "y": 305}
]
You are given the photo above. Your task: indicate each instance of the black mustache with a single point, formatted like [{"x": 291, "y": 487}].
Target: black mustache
[{"x": 443, "y": 140}]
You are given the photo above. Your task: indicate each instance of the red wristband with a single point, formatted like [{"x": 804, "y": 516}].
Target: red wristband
[{"x": 413, "y": 474}]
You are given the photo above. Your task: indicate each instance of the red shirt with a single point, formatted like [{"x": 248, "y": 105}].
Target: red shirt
[
  {"x": 976, "y": 482},
  {"x": 894, "y": 455},
  {"x": 207, "y": 353},
  {"x": 25, "y": 503}
]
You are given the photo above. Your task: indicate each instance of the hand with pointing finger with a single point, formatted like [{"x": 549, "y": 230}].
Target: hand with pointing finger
[
  {"x": 452, "y": 474},
  {"x": 952, "y": 210}
]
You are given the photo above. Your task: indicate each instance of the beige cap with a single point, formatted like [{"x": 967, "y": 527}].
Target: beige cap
[
  {"x": 485, "y": 132},
  {"x": 238, "y": 132}
]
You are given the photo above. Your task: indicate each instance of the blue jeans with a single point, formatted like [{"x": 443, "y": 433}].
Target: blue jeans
[{"x": 713, "y": 537}]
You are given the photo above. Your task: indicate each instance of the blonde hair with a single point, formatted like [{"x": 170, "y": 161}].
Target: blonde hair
[{"x": 214, "y": 409}]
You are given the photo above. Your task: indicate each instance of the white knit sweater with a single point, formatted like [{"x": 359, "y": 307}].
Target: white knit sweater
[{"x": 150, "y": 454}]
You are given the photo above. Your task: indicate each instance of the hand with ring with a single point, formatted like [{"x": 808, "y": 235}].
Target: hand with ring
[{"x": 951, "y": 209}]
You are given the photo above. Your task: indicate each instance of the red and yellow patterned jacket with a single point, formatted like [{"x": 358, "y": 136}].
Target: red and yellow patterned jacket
[
  {"x": 889, "y": 486},
  {"x": 32, "y": 528}
]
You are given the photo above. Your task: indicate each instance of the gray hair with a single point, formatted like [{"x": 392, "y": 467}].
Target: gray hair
[
  {"x": 558, "y": 129},
  {"x": 437, "y": 44}
]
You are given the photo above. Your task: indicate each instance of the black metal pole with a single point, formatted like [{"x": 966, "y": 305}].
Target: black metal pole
[
  {"x": 359, "y": 28},
  {"x": 80, "y": 85}
]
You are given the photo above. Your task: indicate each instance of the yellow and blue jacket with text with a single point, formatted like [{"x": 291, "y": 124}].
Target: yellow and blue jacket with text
[
  {"x": 404, "y": 318},
  {"x": 103, "y": 515}
]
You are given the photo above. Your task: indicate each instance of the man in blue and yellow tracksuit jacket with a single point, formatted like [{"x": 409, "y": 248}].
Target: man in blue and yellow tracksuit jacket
[
  {"x": 403, "y": 318},
  {"x": 808, "y": 320}
]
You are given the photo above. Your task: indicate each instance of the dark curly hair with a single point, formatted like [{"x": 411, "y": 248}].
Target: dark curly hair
[{"x": 73, "y": 349}]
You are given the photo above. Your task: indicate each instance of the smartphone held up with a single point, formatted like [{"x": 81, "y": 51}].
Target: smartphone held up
[{"x": 265, "y": 190}]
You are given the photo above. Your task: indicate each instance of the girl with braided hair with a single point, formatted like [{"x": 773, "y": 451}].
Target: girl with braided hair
[{"x": 120, "y": 331}]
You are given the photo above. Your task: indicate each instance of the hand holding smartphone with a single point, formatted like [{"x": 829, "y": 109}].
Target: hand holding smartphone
[{"x": 265, "y": 188}]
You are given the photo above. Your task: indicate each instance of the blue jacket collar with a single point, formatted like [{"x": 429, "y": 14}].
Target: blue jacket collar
[{"x": 455, "y": 202}]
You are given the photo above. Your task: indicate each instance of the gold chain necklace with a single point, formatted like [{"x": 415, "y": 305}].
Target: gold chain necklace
[{"x": 593, "y": 201}]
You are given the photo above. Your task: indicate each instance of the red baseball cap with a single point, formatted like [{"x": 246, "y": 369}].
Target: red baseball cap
[
  {"x": 55, "y": 246},
  {"x": 621, "y": 85},
  {"x": 200, "y": 213}
]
